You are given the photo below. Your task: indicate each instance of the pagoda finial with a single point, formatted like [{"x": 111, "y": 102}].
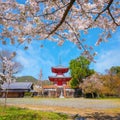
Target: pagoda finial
[{"x": 60, "y": 60}]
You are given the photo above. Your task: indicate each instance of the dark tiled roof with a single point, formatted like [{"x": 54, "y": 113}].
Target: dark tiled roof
[{"x": 17, "y": 85}]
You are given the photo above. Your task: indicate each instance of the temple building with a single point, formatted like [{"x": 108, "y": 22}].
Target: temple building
[
  {"x": 16, "y": 89},
  {"x": 60, "y": 87}
]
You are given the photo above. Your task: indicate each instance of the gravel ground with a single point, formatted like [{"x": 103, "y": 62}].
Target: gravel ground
[
  {"x": 75, "y": 108},
  {"x": 71, "y": 102}
]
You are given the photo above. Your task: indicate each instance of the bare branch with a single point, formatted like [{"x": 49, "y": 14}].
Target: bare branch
[
  {"x": 63, "y": 18},
  {"x": 108, "y": 6},
  {"x": 55, "y": 10},
  {"x": 112, "y": 17},
  {"x": 75, "y": 35},
  {"x": 59, "y": 35}
]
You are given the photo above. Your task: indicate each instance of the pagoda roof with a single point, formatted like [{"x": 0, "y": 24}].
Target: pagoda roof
[
  {"x": 60, "y": 76},
  {"x": 60, "y": 69},
  {"x": 57, "y": 78}
]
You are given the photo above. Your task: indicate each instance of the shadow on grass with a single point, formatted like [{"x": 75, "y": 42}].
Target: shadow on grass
[{"x": 97, "y": 116}]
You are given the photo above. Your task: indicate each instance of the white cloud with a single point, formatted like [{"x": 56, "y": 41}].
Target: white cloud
[
  {"x": 33, "y": 60},
  {"x": 109, "y": 55},
  {"x": 107, "y": 59},
  {"x": 21, "y": 58}
]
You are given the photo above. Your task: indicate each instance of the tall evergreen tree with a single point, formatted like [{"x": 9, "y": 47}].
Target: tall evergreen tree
[{"x": 79, "y": 69}]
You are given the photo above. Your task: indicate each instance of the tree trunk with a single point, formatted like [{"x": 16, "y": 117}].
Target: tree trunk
[
  {"x": 6, "y": 94},
  {"x": 98, "y": 95},
  {"x": 92, "y": 95}
]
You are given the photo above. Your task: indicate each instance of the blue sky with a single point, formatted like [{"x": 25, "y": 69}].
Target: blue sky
[{"x": 36, "y": 58}]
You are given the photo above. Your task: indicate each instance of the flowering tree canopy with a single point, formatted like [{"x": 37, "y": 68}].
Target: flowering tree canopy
[
  {"x": 92, "y": 84},
  {"x": 57, "y": 20},
  {"x": 7, "y": 70},
  {"x": 8, "y": 67}
]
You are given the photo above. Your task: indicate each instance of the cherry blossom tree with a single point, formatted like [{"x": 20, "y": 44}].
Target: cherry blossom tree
[
  {"x": 6, "y": 76},
  {"x": 58, "y": 20},
  {"x": 92, "y": 84},
  {"x": 7, "y": 70},
  {"x": 8, "y": 67}
]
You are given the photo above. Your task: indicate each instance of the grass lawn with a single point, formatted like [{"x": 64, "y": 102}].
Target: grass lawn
[{"x": 15, "y": 113}]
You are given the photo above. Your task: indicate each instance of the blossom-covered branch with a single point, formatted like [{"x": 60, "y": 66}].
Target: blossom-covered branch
[
  {"x": 8, "y": 67},
  {"x": 53, "y": 20}
]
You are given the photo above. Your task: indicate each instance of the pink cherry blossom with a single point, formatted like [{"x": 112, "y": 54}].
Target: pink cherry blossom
[{"x": 55, "y": 19}]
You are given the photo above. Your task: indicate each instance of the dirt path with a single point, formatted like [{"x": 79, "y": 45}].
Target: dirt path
[{"x": 69, "y": 110}]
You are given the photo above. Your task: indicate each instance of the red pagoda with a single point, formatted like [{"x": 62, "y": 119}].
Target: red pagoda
[{"x": 60, "y": 80}]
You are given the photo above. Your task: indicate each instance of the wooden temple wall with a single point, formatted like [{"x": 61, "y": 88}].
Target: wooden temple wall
[
  {"x": 12, "y": 94},
  {"x": 57, "y": 92}
]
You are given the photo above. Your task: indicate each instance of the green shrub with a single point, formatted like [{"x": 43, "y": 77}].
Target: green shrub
[{"x": 28, "y": 94}]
